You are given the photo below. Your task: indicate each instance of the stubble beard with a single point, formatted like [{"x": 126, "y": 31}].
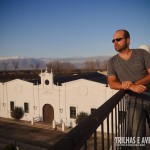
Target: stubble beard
[{"x": 121, "y": 49}]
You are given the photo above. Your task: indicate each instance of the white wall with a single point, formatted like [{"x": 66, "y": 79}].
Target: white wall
[{"x": 82, "y": 94}]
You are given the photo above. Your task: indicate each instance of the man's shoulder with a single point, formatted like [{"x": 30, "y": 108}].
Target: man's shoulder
[
  {"x": 141, "y": 53},
  {"x": 113, "y": 58},
  {"x": 139, "y": 50}
]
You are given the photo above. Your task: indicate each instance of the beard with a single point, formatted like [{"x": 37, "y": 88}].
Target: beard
[{"x": 119, "y": 48}]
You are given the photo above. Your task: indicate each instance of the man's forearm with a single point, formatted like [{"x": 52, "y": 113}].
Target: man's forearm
[
  {"x": 133, "y": 87},
  {"x": 116, "y": 85},
  {"x": 144, "y": 80}
]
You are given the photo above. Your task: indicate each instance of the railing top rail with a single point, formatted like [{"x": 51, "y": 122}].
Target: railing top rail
[{"x": 143, "y": 96}]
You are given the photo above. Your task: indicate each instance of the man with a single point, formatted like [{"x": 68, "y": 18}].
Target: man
[
  {"x": 126, "y": 70},
  {"x": 130, "y": 70}
]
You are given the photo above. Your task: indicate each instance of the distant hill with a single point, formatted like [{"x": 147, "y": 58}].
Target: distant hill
[
  {"x": 77, "y": 61},
  {"x": 21, "y": 63}
]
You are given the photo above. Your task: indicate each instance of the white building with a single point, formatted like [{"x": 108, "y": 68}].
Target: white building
[{"x": 49, "y": 102}]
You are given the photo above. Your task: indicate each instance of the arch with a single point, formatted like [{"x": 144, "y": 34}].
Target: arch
[{"x": 48, "y": 113}]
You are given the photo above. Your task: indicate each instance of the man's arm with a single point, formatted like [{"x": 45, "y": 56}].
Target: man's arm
[
  {"x": 114, "y": 83},
  {"x": 139, "y": 85},
  {"x": 144, "y": 80}
]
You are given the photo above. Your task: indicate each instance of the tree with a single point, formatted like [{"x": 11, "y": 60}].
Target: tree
[
  {"x": 98, "y": 64},
  {"x": 81, "y": 117},
  {"x": 61, "y": 67},
  {"x": 90, "y": 65},
  {"x": 16, "y": 64},
  {"x": 17, "y": 113},
  {"x": 104, "y": 65},
  {"x": 5, "y": 64},
  {"x": 35, "y": 66}
]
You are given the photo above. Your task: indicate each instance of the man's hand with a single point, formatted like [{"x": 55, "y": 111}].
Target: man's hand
[
  {"x": 137, "y": 88},
  {"x": 126, "y": 85},
  {"x": 114, "y": 83}
]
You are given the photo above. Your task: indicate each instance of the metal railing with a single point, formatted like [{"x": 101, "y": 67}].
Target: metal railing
[{"x": 109, "y": 117}]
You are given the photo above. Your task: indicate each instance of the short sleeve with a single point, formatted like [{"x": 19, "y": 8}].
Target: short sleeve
[
  {"x": 146, "y": 56},
  {"x": 110, "y": 68}
]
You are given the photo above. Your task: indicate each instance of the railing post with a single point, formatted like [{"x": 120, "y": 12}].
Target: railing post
[
  {"x": 102, "y": 135},
  {"x": 63, "y": 126},
  {"x": 95, "y": 140},
  {"x": 32, "y": 121},
  {"x": 108, "y": 136},
  {"x": 54, "y": 124},
  {"x": 112, "y": 129}
]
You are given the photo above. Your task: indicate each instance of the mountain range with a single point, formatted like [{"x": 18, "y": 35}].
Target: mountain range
[{"x": 22, "y": 63}]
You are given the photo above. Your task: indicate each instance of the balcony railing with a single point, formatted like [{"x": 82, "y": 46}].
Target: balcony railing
[{"x": 109, "y": 117}]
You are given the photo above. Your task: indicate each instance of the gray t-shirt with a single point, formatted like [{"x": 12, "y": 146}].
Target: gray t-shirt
[{"x": 132, "y": 69}]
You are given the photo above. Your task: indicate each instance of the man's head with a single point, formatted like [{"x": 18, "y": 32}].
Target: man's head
[{"x": 121, "y": 40}]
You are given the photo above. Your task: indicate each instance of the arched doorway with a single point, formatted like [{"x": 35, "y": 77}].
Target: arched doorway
[{"x": 48, "y": 113}]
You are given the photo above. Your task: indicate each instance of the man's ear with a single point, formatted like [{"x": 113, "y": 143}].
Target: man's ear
[{"x": 128, "y": 41}]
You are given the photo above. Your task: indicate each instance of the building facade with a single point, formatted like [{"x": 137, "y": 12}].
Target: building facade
[{"x": 52, "y": 103}]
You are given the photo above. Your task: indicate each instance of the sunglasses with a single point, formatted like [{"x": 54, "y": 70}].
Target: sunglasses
[{"x": 117, "y": 39}]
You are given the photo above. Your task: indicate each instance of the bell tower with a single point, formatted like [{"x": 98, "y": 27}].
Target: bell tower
[{"x": 46, "y": 79}]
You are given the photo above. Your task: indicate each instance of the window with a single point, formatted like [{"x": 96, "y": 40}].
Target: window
[
  {"x": 72, "y": 112},
  {"x": 47, "y": 82},
  {"x": 26, "y": 107},
  {"x": 12, "y": 105},
  {"x": 92, "y": 110}
]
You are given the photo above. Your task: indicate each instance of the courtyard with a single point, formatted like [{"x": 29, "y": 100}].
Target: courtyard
[{"x": 27, "y": 136}]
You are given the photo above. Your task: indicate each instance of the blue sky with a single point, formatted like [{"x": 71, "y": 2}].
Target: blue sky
[{"x": 69, "y": 28}]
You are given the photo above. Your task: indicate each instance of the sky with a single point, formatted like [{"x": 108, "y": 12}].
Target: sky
[{"x": 70, "y": 28}]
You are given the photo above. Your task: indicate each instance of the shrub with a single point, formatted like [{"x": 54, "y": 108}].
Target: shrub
[
  {"x": 17, "y": 113},
  {"x": 80, "y": 117}
]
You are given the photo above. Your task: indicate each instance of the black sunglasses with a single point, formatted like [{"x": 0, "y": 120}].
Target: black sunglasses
[{"x": 117, "y": 39}]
